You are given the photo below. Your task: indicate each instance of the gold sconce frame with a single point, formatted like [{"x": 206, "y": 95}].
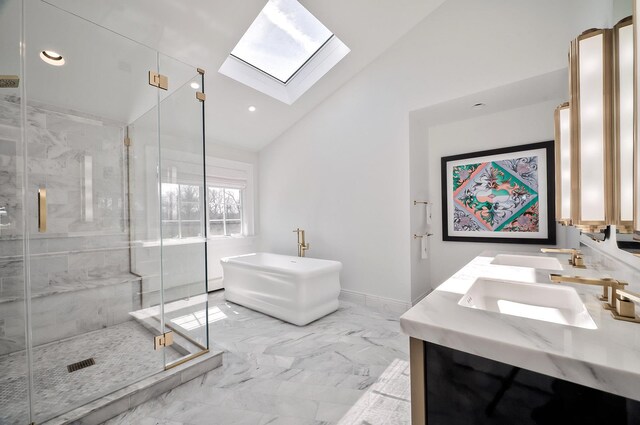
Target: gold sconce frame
[
  {"x": 605, "y": 148},
  {"x": 604, "y": 163},
  {"x": 623, "y": 155},
  {"x": 636, "y": 128},
  {"x": 561, "y": 217}
]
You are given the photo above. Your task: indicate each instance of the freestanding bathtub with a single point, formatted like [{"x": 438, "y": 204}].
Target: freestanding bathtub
[{"x": 294, "y": 289}]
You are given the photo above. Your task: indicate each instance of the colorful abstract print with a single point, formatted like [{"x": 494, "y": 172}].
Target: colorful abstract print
[{"x": 497, "y": 196}]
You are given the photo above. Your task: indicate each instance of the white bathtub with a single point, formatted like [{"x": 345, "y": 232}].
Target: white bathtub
[{"x": 296, "y": 290}]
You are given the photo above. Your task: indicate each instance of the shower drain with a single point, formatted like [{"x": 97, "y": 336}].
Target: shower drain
[{"x": 81, "y": 364}]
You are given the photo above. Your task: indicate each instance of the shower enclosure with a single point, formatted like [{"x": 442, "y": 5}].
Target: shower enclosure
[{"x": 99, "y": 168}]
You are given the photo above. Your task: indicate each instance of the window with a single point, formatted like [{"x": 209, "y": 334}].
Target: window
[
  {"x": 282, "y": 39},
  {"x": 285, "y": 51},
  {"x": 225, "y": 211},
  {"x": 181, "y": 215}
]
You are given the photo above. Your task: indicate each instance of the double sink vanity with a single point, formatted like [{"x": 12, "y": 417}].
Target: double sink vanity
[{"x": 527, "y": 339}]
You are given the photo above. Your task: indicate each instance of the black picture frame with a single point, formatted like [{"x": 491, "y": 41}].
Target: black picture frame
[{"x": 549, "y": 195}]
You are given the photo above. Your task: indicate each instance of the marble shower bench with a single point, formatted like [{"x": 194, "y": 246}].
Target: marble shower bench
[{"x": 69, "y": 308}]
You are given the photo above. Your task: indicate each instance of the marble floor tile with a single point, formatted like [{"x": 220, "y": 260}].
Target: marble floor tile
[
  {"x": 287, "y": 420},
  {"x": 386, "y": 402},
  {"x": 349, "y": 368}
]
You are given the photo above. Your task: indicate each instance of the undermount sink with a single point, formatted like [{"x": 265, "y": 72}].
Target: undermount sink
[
  {"x": 533, "y": 261},
  {"x": 549, "y": 303}
]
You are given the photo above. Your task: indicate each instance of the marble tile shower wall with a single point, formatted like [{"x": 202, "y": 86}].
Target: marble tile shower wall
[
  {"x": 10, "y": 186},
  {"x": 86, "y": 244}
]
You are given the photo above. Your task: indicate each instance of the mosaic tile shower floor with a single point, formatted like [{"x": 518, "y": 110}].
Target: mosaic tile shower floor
[
  {"x": 348, "y": 368},
  {"x": 123, "y": 353}
]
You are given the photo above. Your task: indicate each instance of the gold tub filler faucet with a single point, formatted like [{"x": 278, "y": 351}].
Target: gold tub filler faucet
[{"x": 302, "y": 245}]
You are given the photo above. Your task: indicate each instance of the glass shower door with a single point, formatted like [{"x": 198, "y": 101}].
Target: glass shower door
[
  {"x": 14, "y": 371},
  {"x": 94, "y": 247},
  {"x": 102, "y": 224},
  {"x": 182, "y": 212}
]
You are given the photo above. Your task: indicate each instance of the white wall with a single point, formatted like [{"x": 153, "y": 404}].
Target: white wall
[
  {"x": 621, "y": 9},
  {"x": 543, "y": 88},
  {"x": 345, "y": 182},
  {"x": 518, "y": 126},
  {"x": 342, "y": 172},
  {"x": 226, "y": 247},
  {"x": 419, "y": 191}
]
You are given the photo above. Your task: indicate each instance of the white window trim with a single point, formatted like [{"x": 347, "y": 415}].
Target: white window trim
[
  {"x": 315, "y": 68},
  {"x": 224, "y": 218},
  {"x": 188, "y": 159},
  {"x": 248, "y": 193}
]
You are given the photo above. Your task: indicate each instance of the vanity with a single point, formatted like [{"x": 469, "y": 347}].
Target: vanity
[{"x": 488, "y": 347}]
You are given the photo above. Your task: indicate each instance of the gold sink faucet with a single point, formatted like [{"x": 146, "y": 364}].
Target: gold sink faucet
[
  {"x": 605, "y": 282},
  {"x": 616, "y": 299},
  {"x": 302, "y": 245},
  {"x": 625, "y": 307},
  {"x": 576, "y": 260}
]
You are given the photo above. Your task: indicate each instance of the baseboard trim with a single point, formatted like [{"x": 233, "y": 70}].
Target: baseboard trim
[
  {"x": 386, "y": 304},
  {"x": 421, "y": 297}
]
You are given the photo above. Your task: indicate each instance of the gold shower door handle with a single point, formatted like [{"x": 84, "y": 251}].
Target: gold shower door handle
[{"x": 42, "y": 210}]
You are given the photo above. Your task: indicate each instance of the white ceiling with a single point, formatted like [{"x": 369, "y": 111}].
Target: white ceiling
[
  {"x": 542, "y": 88},
  {"x": 203, "y": 32}
]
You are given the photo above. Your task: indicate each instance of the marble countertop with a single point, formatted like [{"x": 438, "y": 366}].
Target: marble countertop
[{"x": 606, "y": 358}]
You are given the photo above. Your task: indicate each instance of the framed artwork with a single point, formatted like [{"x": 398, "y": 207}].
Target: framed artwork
[{"x": 500, "y": 195}]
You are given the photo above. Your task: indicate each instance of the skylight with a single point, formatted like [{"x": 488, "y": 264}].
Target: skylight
[
  {"x": 285, "y": 51},
  {"x": 282, "y": 39}
]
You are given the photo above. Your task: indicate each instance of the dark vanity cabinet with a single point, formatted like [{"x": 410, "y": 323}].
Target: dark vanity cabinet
[{"x": 450, "y": 387}]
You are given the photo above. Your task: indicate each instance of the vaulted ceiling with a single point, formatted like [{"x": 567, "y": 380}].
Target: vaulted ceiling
[{"x": 203, "y": 32}]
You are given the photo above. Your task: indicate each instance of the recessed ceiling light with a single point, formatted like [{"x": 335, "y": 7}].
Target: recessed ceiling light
[
  {"x": 195, "y": 85},
  {"x": 52, "y": 58},
  {"x": 252, "y": 108},
  {"x": 479, "y": 105}
]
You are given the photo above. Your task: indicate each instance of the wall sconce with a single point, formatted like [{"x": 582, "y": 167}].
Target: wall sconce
[
  {"x": 623, "y": 36},
  {"x": 601, "y": 63},
  {"x": 562, "y": 119},
  {"x": 591, "y": 82}
]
